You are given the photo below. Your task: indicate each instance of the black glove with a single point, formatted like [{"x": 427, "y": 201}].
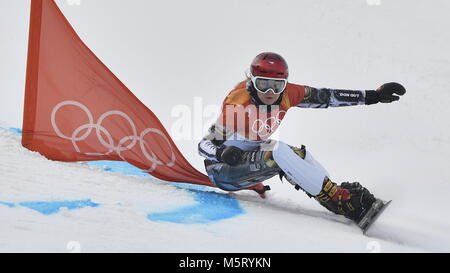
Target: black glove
[
  {"x": 385, "y": 94},
  {"x": 229, "y": 154}
]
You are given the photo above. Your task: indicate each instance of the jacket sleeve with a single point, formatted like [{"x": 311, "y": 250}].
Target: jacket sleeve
[
  {"x": 325, "y": 97},
  {"x": 208, "y": 146}
]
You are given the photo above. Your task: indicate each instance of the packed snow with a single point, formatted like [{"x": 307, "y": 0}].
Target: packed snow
[{"x": 117, "y": 218}]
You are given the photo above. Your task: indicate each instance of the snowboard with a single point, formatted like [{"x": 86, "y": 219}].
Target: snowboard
[{"x": 372, "y": 215}]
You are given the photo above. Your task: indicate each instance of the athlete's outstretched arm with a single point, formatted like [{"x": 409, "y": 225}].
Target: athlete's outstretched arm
[{"x": 325, "y": 97}]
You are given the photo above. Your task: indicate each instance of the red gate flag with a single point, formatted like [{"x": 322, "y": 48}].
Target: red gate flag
[{"x": 77, "y": 110}]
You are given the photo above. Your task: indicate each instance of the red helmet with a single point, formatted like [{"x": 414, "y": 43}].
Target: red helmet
[{"x": 269, "y": 65}]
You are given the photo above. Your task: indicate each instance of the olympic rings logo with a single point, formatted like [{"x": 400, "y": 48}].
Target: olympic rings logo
[
  {"x": 262, "y": 128},
  {"x": 108, "y": 143}
]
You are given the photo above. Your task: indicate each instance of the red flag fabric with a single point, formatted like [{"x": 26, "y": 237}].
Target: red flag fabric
[{"x": 77, "y": 110}]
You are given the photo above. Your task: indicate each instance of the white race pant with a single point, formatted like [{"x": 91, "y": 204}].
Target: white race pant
[{"x": 307, "y": 173}]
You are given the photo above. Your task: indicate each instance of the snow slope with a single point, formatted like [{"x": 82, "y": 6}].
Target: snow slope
[
  {"x": 121, "y": 219},
  {"x": 399, "y": 151}
]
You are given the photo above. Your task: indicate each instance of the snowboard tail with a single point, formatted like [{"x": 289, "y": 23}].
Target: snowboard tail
[{"x": 372, "y": 215}]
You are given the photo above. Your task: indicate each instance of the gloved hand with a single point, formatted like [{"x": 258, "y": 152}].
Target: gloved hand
[
  {"x": 230, "y": 155},
  {"x": 385, "y": 93}
]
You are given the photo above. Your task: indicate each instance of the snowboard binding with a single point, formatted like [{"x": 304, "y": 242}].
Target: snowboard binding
[
  {"x": 351, "y": 200},
  {"x": 372, "y": 215}
]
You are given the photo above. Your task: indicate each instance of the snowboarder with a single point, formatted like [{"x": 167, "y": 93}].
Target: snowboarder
[{"x": 240, "y": 155}]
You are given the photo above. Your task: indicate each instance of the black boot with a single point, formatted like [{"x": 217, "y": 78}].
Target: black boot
[{"x": 351, "y": 200}]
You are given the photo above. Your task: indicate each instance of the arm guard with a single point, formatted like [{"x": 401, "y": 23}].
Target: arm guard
[
  {"x": 210, "y": 143},
  {"x": 324, "y": 97}
]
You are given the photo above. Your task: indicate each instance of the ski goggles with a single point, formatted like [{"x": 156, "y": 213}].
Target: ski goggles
[{"x": 264, "y": 85}]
